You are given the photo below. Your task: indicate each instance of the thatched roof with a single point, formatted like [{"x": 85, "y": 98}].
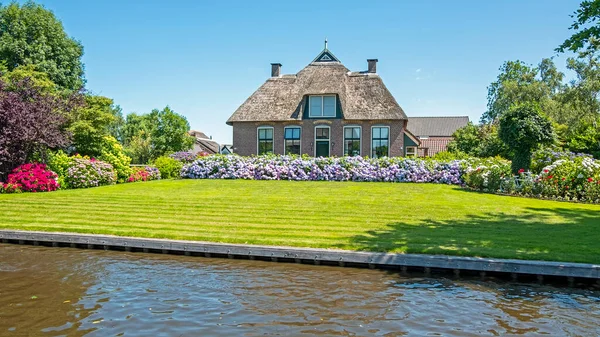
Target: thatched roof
[
  {"x": 436, "y": 126},
  {"x": 363, "y": 96}
]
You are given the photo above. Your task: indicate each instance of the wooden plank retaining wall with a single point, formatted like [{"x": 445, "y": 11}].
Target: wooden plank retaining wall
[{"x": 342, "y": 258}]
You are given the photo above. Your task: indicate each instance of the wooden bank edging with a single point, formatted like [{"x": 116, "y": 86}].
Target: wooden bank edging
[{"x": 306, "y": 255}]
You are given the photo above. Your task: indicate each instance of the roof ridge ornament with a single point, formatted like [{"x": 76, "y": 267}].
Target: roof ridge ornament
[{"x": 325, "y": 56}]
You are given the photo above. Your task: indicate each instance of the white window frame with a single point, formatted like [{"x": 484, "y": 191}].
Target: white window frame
[
  {"x": 322, "y": 140},
  {"x": 293, "y": 127},
  {"x": 258, "y": 138},
  {"x": 416, "y": 154},
  {"x": 389, "y": 139},
  {"x": 359, "y": 139},
  {"x": 310, "y": 113}
]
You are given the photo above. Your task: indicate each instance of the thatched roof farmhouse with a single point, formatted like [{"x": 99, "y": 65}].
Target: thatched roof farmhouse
[{"x": 323, "y": 110}]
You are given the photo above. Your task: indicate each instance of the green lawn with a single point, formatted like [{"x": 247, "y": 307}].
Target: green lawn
[{"x": 410, "y": 218}]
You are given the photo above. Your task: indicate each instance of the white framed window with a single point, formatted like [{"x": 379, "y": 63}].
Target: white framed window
[
  {"x": 380, "y": 141},
  {"x": 352, "y": 140},
  {"x": 264, "y": 140},
  {"x": 322, "y": 106},
  {"x": 411, "y": 151},
  {"x": 292, "y": 140},
  {"x": 322, "y": 140}
]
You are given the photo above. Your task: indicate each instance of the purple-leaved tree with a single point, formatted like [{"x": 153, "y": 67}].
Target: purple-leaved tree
[{"x": 31, "y": 122}]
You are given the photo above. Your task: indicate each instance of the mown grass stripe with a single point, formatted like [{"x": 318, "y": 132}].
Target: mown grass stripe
[{"x": 418, "y": 218}]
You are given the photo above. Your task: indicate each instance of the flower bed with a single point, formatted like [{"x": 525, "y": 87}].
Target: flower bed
[
  {"x": 575, "y": 179},
  {"x": 327, "y": 169}
]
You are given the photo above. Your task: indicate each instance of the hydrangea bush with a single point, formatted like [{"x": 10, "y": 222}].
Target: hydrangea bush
[
  {"x": 327, "y": 169},
  {"x": 547, "y": 156},
  {"x": 183, "y": 156},
  {"x": 86, "y": 173},
  {"x": 31, "y": 177}
]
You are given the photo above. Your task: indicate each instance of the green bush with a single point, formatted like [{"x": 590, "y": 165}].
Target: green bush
[
  {"x": 448, "y": 156},
  {"x": 168, "y": 167},
  {"x": 60, "y": 162}
]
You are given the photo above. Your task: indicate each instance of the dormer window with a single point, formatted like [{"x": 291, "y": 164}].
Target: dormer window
[{"x": 322, "y": 106}]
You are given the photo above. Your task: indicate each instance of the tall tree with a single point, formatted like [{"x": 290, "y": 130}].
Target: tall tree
[
  {"x": 31, "y": 35},
  {"x": 155, "y": 134},
  {"x": 521, "y": 83},
  {"x": 169, "y": 132},
  {"x": 586, "y": 27},
  {"x": 524, "y": 128},
  {"x": 91, "y": 123},
  {"x": 31, "y": 122}
]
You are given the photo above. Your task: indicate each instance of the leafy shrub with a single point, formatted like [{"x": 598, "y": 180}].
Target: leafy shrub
[
  {"x": 60, "y": 162},
  {"x": 144, "y": 174},
  {"x": 113, "y": 153},
  {"x": 31, "y": 178},
  {"x": 447, "y": 156},
  {"x": 90, "y": 173},
  {"x": 168, "y": 167}
]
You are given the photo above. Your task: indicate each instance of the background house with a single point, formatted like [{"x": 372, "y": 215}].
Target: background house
[
  {"x": 323, "y": 110},
  {"x": 432, "y": 134},
  {"x": 204, "y": 143}
]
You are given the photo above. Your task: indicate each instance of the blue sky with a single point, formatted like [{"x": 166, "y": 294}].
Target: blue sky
[{"x": 204, "y": 58}]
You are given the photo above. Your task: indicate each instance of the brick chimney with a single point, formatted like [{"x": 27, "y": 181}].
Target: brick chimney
[
  {"x": 275, "y": 69},
  {"x": 372, "y": 66}
]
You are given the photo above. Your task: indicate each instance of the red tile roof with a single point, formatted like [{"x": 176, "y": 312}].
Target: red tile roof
[{"x": 434, "y": 145}]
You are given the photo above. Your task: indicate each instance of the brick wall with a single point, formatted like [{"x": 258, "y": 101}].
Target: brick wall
[{"x": 245, "y": 136}]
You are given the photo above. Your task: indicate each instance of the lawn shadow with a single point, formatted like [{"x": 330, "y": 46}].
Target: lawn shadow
[{"x": 558, "y": 234}]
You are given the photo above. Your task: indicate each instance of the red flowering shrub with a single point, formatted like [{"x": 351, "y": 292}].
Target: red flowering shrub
[
  {"x": 31, "y": 178},
  {"x": 144, "y": 174}
]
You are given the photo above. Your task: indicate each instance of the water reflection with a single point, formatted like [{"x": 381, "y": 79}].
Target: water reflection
[{"x": 96, "y": 293}]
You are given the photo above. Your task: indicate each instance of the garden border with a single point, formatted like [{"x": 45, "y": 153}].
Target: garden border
[{"x": 342, "y": 258}]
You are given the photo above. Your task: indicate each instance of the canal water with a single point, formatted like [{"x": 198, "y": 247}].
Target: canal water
[{"x": 69, "y": 292}]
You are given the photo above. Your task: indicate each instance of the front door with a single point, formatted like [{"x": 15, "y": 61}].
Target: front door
[{"x": 322, "y": 141}]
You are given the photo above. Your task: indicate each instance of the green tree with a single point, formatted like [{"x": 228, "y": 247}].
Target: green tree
[
  {"x": 31, "y": 35},
  {"x": 39, "y": 80},
  {"x": 524, "y": 128},
  {"x": 586, "y": 27},
  {"x": 466, "y": 140},
  {"x": 169, "y": 132},
  {"x": 90, "y": 124},
  {"x": 521, "y": 83},
  {"x": 158, "y": 133},
  {"x": 139, "y": 148},
  {"x": 478, "y": 141}
]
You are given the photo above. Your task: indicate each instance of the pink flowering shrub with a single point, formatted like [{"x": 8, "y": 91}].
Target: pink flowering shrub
[
  {"x": 144, "y": 174},
  {"x": 85, "y": 173},
  {"x": 31, "y": 178}
]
